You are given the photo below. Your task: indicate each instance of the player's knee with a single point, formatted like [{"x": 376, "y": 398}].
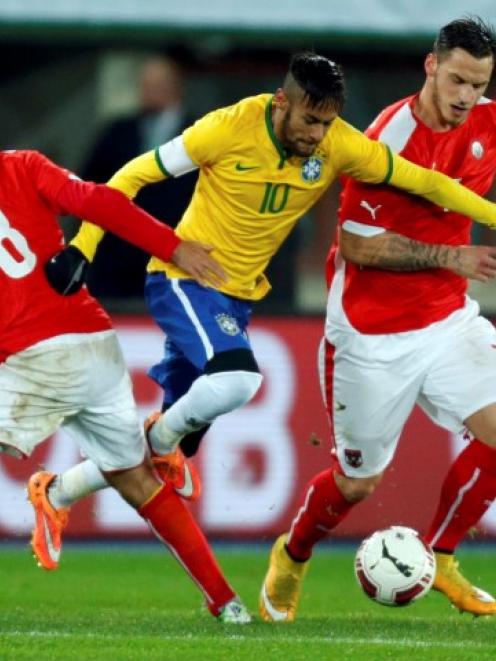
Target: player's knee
[
  {"x": 235, "y": 376},
  {"x": 355, "y": 489},
  {"x": 231, "y": 361},
  {"x": 234, "y": 389}
]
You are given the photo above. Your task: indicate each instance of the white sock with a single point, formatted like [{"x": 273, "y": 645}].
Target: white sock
[
  {"x": 210, "y": 395},
  {"x": 75, "y": 483}
]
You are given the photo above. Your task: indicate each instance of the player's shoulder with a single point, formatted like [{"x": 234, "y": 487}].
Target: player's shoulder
[
  {"x": 18, "y": 155},
  {"x": 390, "y": 113},
  {"x": 484, "y": 111},
  {"x": 242, "y": 114},
  {"x": 341, "y": 128},
  {"x": 19, "y": 159}
]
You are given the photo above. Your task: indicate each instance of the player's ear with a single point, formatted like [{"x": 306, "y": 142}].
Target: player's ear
[
  {"x": 430, "y": 64},
  {"x": 281, "y": 100}
]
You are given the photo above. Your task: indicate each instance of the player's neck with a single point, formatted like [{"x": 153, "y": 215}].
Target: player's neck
[{"x": 426, "y": 110}]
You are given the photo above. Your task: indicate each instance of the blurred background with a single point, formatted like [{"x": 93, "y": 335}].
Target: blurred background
[{"x": 94, "y": 83}]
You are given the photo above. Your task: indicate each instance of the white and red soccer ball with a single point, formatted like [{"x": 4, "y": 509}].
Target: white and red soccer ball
[{"x": 395, "y": 566}]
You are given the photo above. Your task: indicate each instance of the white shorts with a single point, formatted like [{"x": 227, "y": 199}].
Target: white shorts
[
  {"x": 372, "y": 382},
  {"x": 79, "y": 381}
]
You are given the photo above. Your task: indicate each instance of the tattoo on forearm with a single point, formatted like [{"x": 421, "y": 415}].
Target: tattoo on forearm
[{"x": 399, "y": 253}]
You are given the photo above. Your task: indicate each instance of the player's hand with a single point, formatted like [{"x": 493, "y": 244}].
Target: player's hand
[
  {"x": 66, "y": 271},
  {"x": 475, "y": 262},
  {"x": 194, "y": 258}
]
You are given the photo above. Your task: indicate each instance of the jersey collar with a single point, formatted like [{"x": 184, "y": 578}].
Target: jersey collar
[{"x": 284, "y": 154}]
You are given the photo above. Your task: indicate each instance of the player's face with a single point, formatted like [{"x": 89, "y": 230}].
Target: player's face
[
  {"x": 458, "y": 82},
  {"x": 302, "y": 126}
]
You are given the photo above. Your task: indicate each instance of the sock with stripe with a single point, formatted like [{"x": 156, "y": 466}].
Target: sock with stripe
[
  {"x": 466, "y": 494},
  {"x": 173, "y": 524},
  {"x": 324, "y": 506}
]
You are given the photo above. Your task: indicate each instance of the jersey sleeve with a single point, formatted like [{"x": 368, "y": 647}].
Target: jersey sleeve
[
  {"x": 372, "y": 162},
  {"x": 135, "y": 174},
  {"x": 205, "y": 141},
  {"x": 48, "y": 178},
  {"x": 173, "y": 159},
  {"x": 115, "y": 212},
  {"x": 442, "y": 190},
  {"x": 360, "y": 157}
]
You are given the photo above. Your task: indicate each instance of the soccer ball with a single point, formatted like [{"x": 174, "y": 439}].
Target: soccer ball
[{"x": 394, "y": 566}]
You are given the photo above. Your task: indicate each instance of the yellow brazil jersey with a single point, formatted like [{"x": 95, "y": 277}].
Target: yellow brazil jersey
[{"x": 251, "y": 192}]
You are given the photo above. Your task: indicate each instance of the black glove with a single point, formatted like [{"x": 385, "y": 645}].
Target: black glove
[{"x": 67, "y": 270}]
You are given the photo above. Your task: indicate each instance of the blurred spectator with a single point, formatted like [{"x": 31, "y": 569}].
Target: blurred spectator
[{"x": 119, "y": 268}]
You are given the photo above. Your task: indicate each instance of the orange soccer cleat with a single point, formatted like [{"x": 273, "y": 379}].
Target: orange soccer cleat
[
  {"x": 462, "y": 594},
  {"x": 50, "y": 523},
  {"x": 282, "y": 585},
  {"x": 173, "y": 467}
]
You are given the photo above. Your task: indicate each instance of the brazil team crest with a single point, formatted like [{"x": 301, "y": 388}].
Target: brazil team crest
[
  {"x": 227, "y": 324},
  {"x": 311, "y": 169}
]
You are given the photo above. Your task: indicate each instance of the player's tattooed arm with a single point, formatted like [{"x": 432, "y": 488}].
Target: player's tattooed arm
[{"x": 396, "y": 252}]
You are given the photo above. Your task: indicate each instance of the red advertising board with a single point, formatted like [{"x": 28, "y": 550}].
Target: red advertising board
[{"x": 254, "y": 462}]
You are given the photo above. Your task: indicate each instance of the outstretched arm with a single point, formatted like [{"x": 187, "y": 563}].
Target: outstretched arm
[
  {"x": 442, "y": 190},
  {"x": 129, "y": 180},
  {"x": 170, "y": 159},
  {"x": 373, "y": 162},
  {"x": 112, "y": 210},
  {"x": 395, "y": 252}
]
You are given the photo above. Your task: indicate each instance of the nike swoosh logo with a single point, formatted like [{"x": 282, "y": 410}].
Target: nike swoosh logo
[
  {"x": 76, "y": 277},
  {"x": 243, "y": 168},
  {"x": 484, "y": 596},
  {"x": 52, "y": 551},
  {"x": 277, "y": 616},
  {"x": 187, "y": 489}
]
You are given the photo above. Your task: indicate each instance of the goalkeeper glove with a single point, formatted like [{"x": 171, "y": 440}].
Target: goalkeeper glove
[{"x": 66, "y": 271}]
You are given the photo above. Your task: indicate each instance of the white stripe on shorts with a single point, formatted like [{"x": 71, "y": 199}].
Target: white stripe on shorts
[{"x": 176, "y": 287}]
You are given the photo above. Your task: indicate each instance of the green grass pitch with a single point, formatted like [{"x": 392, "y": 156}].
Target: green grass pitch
[{"x": 117, "y": 603}]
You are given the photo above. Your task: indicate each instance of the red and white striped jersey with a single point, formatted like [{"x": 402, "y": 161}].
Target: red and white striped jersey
[{"x": 380, "y": 301}]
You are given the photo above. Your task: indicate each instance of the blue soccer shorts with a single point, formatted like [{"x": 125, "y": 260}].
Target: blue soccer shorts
[{"x": 199, "y": 322}]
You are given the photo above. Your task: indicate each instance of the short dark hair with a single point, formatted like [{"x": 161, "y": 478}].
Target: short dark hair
[
  {"x": 470, "y": 33},
  {"x": 321, "y": 80}
]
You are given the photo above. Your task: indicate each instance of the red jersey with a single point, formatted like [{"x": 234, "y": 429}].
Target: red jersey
[
  {"x": 381, "y": 301},
  {"x": 33, "y": 191},
  {"x": 29, "y": 236}
]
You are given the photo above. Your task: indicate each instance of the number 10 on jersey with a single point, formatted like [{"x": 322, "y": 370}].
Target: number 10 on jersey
[{"x": 275, "y": 198}]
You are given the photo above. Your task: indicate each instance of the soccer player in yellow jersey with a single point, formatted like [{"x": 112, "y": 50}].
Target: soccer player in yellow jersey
[{"x": 263, "y": 163}]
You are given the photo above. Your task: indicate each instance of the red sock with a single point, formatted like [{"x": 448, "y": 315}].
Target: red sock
[
  {"x": 174, "y": 525},
  {"x": 323, "y": 508},
  {"x": 467, "y": 492}
]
